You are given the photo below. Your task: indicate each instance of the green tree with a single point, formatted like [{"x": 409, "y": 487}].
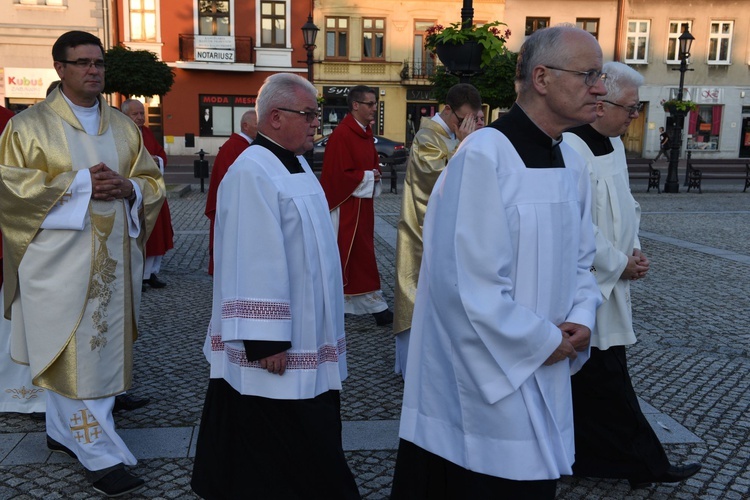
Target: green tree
[
  {"x": 136, "y": 72},
  {"x": 495, "y": 84}
]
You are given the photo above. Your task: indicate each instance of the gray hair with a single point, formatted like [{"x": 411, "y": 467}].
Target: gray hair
[
  {"x": 247, "y": 114},
  {"x": 277, "y": 91},
  {"x": 127, "y": 103},
  {"x": 619, "y": 77},
  {"x": 541, "y": 48}
]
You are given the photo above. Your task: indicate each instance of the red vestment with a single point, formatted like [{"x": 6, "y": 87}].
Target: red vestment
[
  {"x": 228, "y": 152},
  {"x": 162, "y": 237},
  {"x": 349, "y": 153}
]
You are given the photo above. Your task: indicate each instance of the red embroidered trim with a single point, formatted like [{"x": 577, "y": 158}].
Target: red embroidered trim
[
  {"x": 296, "y": 360},
  {"x": 255, "y": 309}
]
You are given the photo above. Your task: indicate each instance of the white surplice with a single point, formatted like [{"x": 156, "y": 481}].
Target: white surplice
[
  {"x": 507, "y": 257},
  {"x": 277, "y": 277},
  {"x": 17, "y": 393},
  {"x": 616, "y": 217}
]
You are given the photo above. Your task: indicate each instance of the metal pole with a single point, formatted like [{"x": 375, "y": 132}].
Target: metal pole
[
  {"x": 467, "y": 13},
  {"x": 672, "y": 184}
]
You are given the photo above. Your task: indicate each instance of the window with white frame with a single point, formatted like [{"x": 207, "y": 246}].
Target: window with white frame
[
  {"x": 720, "y": 42},
  {"x": 676, "y": 28},
  {"x": 636, "y": 47},
  {"x": 143, "y": 20},
  {"x": 273, "y": 24}
]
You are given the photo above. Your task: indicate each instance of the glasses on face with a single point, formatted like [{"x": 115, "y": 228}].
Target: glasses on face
[
  {"x": 371, "y": 104},
  {"x": 630, "y": 109},
  {"x": 309, "y": 115},
  {"x": 86, "y": 63},
  {"x": 590, "y": 78}
]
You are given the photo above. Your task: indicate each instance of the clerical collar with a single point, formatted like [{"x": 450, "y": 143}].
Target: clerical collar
[
  {"x": 88, "y": 116},
  {"x": 363, "y": 127},
  {"x": 536, "y": 149},
  {"x": 438, "y": 119},
  {"x": 246, "y": 137},
  {"x": 285, "y": 156},
  {"x": 599, "y": 144}
]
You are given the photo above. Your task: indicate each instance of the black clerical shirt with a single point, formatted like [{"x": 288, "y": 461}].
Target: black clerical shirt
[
  {"x": 536, "y": 149},
  {"x": 599, "y": 144}
]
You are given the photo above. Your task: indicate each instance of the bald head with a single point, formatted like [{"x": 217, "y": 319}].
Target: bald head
[{"x": 249, "y": 124}]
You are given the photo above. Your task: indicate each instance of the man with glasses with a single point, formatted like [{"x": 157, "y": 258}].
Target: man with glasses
[
  {"x": 351, "y": 180},
  {"x": 613, "y": 438},
  {"x": 434, "y": 144},
  {"x": 79, "y": 196},
  {"x": 271, "y": 426},
  {"x": 505, "y": 300}
]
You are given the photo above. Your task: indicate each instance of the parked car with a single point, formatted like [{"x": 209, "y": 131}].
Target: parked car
[{"x": 386, "y": 148}]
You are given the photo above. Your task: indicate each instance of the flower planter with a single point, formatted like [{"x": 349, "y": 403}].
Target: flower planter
[{"x": 460, "y": 60}]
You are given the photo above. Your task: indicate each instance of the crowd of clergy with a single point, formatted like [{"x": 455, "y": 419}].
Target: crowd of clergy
[{"x": 517, "y": 246}]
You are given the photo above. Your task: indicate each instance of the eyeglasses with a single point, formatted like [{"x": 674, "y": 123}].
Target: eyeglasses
[
  {"x": 368, "y": 103},
  {"x": 86, "y": 63},
  {"x": 590, "y": 78},
  {"x": 309, "y": 115},
  {"x": 630, "y": 109}
]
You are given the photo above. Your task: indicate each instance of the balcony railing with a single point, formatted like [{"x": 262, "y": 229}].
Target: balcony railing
[
  {"x": 243, "y": 49},
  {"x": 418, "y": 70}
]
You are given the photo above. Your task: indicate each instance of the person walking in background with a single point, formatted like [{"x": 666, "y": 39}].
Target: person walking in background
[
  {"x": 613, "y": 438},
  {"x": 351, "y": 181},
  {"x": 663, "y": 144},
  {"x": 228, "y": 152},
  {"x": 79, "y": 196},
  {"x": 506, "y": 300},
  {"x": 162, "y": 237},
  {"x": 271, "y": 426},
  {"x": 434, "y": 144}
]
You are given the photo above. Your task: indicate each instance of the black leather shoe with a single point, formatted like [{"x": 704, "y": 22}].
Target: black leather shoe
[
  {"x": 674, "y": 474},
  {"x": 118, "y": 482},
  {"x": 127, "y": 402},
  {"x": 154, "y": 282},
  {"x": 60, "y": 448},
  {"x": 383, "y": 318}
]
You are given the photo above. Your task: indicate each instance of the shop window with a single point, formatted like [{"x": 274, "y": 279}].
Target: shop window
[
  {"x": 373, "y": 38},
  {"x": 720, "y": 42},
  {"x": 535, "y": 23},
  {"x": 704, "y": 128},
  {"x": 220, "y": 115},
  {"x": 676, "y": 28},
  {"x": 273, "y": 24},
  {"x": 636, "y": 49},
  {"x": 337, "y": 37},
  {"x": 143, "y": 20},
  {"x": 589, "y": 24},
  {"x": 213, "y": 17}
]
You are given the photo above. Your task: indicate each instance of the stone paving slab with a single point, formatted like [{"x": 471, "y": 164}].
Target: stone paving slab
[{"x": 691, "y": 362}]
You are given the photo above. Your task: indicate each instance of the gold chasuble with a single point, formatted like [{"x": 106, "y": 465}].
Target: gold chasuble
[
  {"x": 73, "y": 295},
  {"x": 430, "y": 152}
]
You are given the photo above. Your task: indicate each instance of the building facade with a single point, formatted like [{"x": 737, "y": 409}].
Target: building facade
[{"x": 28, "y": 28}]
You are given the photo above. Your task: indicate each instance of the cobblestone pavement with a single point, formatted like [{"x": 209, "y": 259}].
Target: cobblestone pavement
[{"x": 692, "y": 361}]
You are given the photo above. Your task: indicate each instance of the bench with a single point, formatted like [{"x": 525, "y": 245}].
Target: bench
[
  {"x": 643, "y": 168},
  {"x": 734, "y": 168}
]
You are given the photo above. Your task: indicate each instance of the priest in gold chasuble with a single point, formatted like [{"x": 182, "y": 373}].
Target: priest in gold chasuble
[{"x": 79, "y": 195}]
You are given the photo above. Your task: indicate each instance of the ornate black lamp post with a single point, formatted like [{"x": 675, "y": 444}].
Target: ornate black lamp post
[
  {"x": 309, "y": 33},
  {"x": 672, "y": 184}
]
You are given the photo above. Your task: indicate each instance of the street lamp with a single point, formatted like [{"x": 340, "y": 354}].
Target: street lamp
[
  {"x": 672, "y": 184},
  {"x": 309, "y": 33}
]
